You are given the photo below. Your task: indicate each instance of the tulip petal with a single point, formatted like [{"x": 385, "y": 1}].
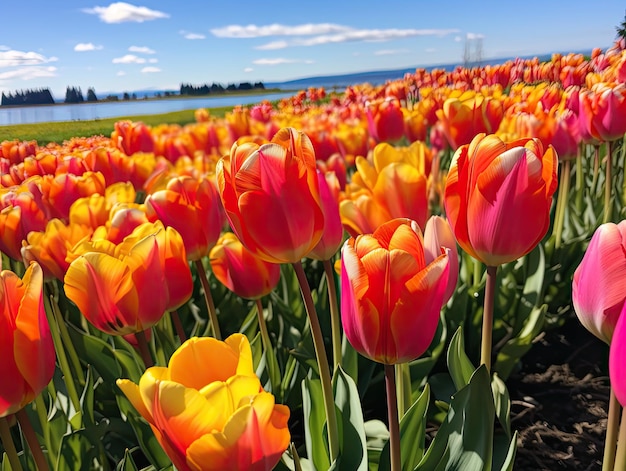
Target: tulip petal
[{"x": 617, "y": 354}]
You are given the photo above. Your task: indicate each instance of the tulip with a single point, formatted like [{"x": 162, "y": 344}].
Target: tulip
[
  {"x": 391, "y": 298},
  {"x": 271, "y": 196},
  {"x": 26, "y": 348},
  {"x": 215, "y": 415},
  {"x": 192, "y": 207},
  {"x": 439, "y": 238},
  {"x": 617, "y": 352},
  {"x": 498, "y": 196},
  {"x": 19, "y": 215},
  {"x": 240, "y": 270},
  {"x": 332, "y": 236},
  {"x": 112, "y": 284},
  {"x": 468, "y": 115},
  {"x": 599, "y": 283}
]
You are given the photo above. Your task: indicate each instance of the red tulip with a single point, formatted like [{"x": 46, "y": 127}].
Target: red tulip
[
  {"x": 271, "y": 196},
  {"x": 240, "y": 270},
  {"x": 498, "y": 196},
  {"x": 391, "y": 298}
]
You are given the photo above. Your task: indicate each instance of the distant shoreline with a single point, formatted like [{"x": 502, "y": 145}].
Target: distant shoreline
[{"x": 254, "y": 92}]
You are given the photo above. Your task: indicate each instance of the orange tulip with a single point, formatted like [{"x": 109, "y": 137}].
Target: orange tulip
[
  {"x": 112, "y": 285},
  {"x": 50, "y": 247},
  {"x": 498, "y": 196},
  {"x": 26, "y": 346},
  {"x": 391, "y": 298},
  {"x": 192, "y": 207},
  {"x": 208, "y": 409},
  {"x": 19, "y": 215},
  {"x": 271, "y": 196},
  {"x": 240, "y": 270}
]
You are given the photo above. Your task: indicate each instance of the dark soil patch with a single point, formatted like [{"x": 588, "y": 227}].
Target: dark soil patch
[{"x": 559, "y": 401}]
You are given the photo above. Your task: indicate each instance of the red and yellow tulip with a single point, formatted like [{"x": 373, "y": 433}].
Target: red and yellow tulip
[
  {"x": 208, "y": 409},
  {"x": 26, "y": 346}
]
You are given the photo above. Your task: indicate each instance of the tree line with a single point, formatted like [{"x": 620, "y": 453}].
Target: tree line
[
  {"x": 216, "y": 88},
  {"x": 43, "y": 96}
]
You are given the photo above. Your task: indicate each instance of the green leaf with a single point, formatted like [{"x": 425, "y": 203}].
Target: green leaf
[
  {"x": 412, "y": 435},
  {"x": 509, "y": 461},
  {"x": 515, "y": 348},
  {"x": 459, "y": 364},
  {"x": 315, "y": 435},
  {"x": 502, "y": 402},
  {"x": 353, "y": 446},
  {"x": 127, "y": 463},
  {"x": 465, "y": 439},
  {"x": 77, "y": 451}
]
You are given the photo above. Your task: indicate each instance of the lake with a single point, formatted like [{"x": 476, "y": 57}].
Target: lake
[{"x": 115, "y": 109}]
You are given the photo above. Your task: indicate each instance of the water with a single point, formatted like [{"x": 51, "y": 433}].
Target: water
[{"x": 101, "y": 110}]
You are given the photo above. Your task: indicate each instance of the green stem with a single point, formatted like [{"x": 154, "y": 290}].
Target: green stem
[
  {"x": 42, "y": 414},
  {"x": 209, "y": 300},
  {"x": 67, "y": 341},
  {"x": 144, "y": 349},
  {"x": 9, "y": 446},
  {"x": 61, "y": 357},
  {"x": 487, "y": 331},
  {"x": 322, "y": 362},
  {"x": 478, "y": 271},
  {"x": 335, "y": 321},
  {"x": 403, "y": 383},
  {"x": 580, "y": 180},
  {"x": 620, "y": 457},
  {"x": 563, "y": 198},
  {"x": 610, "y": 440},
  {"x": 596, "y": 169},
  {"x": 31, "y": 438},
  {"x": 394, "y": 424},
  {"x": 270, "y": 355},
  {"x": 178, "y": 326},
  {"x": 296, "y": 459},
  {"x": 608, "y": 203}
]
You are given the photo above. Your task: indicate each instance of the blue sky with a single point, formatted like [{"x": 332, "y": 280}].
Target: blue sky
[{"x": 119, "y": 46}]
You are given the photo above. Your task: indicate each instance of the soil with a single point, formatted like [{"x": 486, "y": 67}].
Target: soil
[{"x": 559, "y": 401}]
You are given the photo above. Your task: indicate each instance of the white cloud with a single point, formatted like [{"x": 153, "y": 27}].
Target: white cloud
[
  {"x": 12, "y": 58},
  {"x": 273, "y": 46},
  {"x": 141, "y": 49},
  {"x": 29, "y": 73},
  {"x": 281, "y": 60},
  {"x": 390, "y": 52},
  {"x": 153, "y": 60},
  {"x": 122, "y": 12},
  {"x": 150, "y": 70},
  {"x": 254, "y": 31},
  {"x": 360, "y": 35},
  {"x": 190, "y": 35},
  {"x": 248, "y": 70},
  {"x": 120, "y": 73},
  {"x": 84, "y": 47},
  {"x": 4, "y": 48},
  {"x": 475, "y": 36},
  {"x": 129, "y": 59}
]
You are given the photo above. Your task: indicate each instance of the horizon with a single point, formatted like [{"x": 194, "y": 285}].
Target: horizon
[{"x": 154, "y": 45}]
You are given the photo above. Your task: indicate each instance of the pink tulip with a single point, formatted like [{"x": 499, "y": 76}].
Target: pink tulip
[
  {"x": 617, "y": 353},
  {"x": 438, "y": 237},
  {"x": 599, "y": 285}
]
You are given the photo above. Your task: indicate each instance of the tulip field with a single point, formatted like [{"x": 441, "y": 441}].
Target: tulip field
[{"x": 336, "y": 281}]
